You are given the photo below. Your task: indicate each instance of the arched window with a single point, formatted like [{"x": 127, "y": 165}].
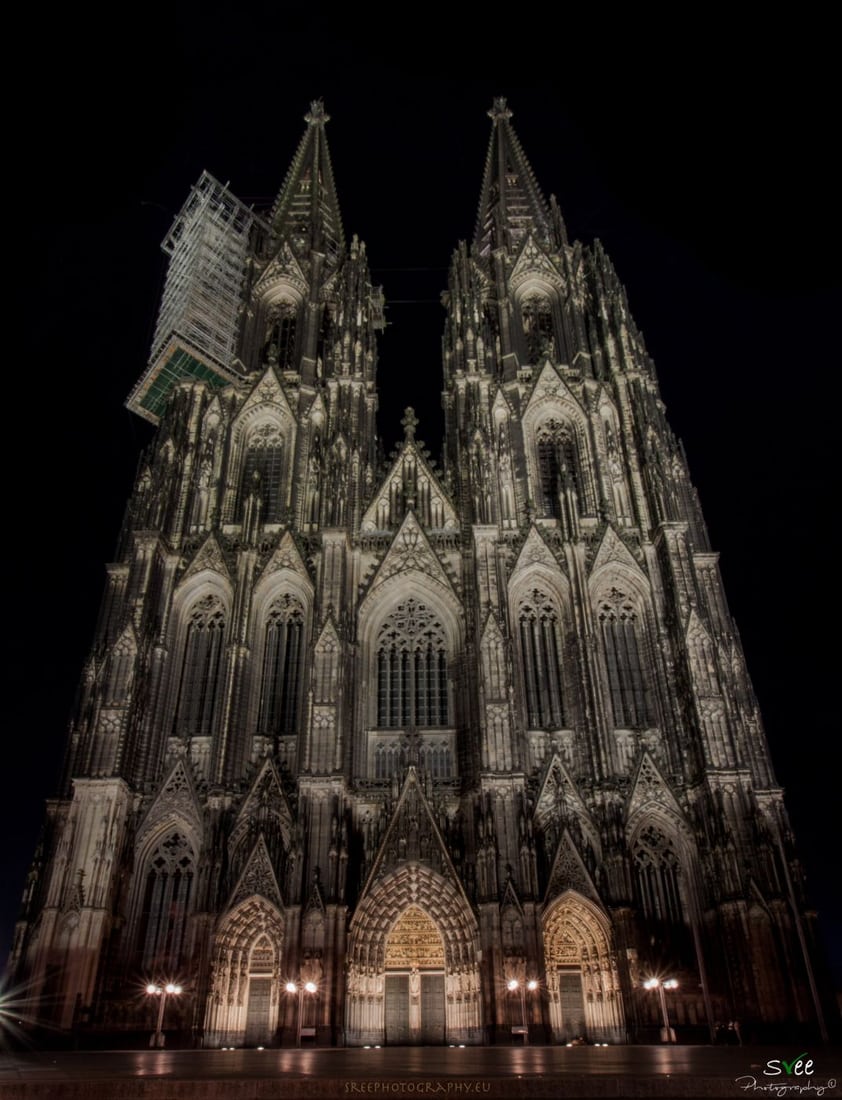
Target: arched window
[
  {"x": 167, "y": 900},
  {"x": 626, "y": 683},
  {"x": 411, "y": 668},
  {"x": 282, "y": 666},
  {"x": 119, "y": 670},
  {"x": 200, "y": 681},
  {"x": 435, "y": 758},
  {"x": 558, "y": 466},
  {"x": 537, "y": 320},
  {"x": 540, "y": 651},
  {"x": 280, "y": 336},
  {"x": 263, "y": 473},
  {"x": 658, "y": 869}
]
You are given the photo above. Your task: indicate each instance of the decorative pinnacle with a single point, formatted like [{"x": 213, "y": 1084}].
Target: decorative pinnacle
[
  {"x": 499, "y": 109},
  {"x": 317, "y": 116},
  {"x": 409, "y": 422}
]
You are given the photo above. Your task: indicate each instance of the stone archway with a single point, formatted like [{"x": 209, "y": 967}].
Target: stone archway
[
  {"x": 583, "y": 985},
  {"x": 245, "y": 976},
  {"x": 413, "y": 972}
]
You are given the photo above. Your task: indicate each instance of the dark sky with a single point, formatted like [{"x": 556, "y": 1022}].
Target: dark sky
[{"x": 701, "y": 156}]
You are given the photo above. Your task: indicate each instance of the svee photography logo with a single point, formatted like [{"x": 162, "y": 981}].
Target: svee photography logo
[{"x": 787, "y": 1077}]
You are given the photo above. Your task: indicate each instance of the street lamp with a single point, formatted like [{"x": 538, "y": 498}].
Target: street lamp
[
  {"x": 157, "y": 1038},
  {"x": 667, "y": 1033},
  {"x": 300, "y": 988},
  {"x": 531, "y": 985}
]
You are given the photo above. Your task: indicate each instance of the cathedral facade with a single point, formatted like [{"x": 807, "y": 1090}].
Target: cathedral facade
[{"x": 371, "y": 751}]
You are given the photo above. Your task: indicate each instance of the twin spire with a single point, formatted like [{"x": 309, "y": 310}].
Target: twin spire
[
  {"x": 511, "y": 204},
  {"x": 306, "y": 211}
]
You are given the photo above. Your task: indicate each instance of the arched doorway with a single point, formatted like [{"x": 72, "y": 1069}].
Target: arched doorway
[
  {"x": 414, "y": 986},
  {"x": 413, "y": 971},
  {"x": 244, "y": 1002},
  {"x": 583, "y": 985},
  {"x": 259, "y": 997}
]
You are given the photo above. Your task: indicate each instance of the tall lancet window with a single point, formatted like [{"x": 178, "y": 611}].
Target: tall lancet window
[
  {"x": 283, "y": 656},
  {"x": 540, "y": 650},
  {"x": 201, "y": 680},
  {"x": 167, "y": 899},
  {"x": 657, "y": 877},
  {"x": 621, "y": 642},
  {"x": 280, "y": 336},
  {"x": 412, "y": 668},
  {"x": 537, "y": 321},
  {"x": 263, "y": 473},
  {"x": 558, "y": 466}
]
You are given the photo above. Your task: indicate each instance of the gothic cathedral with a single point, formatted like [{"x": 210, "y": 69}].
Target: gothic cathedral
[{"x": 372, "y": 751}]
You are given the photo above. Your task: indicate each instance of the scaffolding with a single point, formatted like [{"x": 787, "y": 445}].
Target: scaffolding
[{"x": 198, "y": 322}]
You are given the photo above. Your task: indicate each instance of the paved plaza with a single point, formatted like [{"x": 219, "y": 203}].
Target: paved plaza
[{"x": 489, "y": 1072}]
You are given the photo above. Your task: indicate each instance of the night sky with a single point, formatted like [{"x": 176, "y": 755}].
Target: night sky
[{"x": 705, "y": 169}]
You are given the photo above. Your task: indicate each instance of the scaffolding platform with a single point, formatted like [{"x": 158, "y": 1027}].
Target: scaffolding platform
[{"x": 198, "y": 322}]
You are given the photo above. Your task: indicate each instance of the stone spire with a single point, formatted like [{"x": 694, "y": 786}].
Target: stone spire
[
  {"x": 306, "y": 211},
  {"x": 511, "y": 203}
]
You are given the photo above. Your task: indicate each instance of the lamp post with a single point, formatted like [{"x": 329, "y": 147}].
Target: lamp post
[
  {"x": 531, "y": 985},
  {"x": 157, "y": 1038},
  {"x": 667, "y": 1033},
  {"x": 300, "y": 988}
]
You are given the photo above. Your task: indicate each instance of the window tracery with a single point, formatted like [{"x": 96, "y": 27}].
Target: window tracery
[
  {"x": 167, "y": 901},
  {"x": 620, "y": 627},
  {"x": 540, "y": 649},
  {"x": 280, "y": 336},
  {"x": 412, "y": 668},
  {"x": 200, "y": 680},
  {"x": 263, "y": 473},
  {"x": 558, "y": 466},
  {"x": 537, "y": 319},
  {"x": 658, "y": 872},
  {"x": 282, "y": 666}
]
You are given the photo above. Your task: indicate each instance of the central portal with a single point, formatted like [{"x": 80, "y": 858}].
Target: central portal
[{"x": 415, "y": 1001}]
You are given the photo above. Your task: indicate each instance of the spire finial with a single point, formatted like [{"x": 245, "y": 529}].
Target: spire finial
[
  {"x": 499, "y": 109},
  {"x": 317, "y": 115},
  {"x": 409, "y": 423}
]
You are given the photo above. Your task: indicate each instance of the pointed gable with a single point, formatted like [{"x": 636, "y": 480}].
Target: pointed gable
[
  {"x": 258, "y": 878},
  {"x": 176, "y": 804},
  {"x": 533, "y": 263},
  {"x": 208, "y": 558},
  {"x": 696, "y": 632},
  {"x": 126, "y": 640},
  {"x": 569, "y": 872},
  {"x": 411, "y": 552},
  {"x": 264, "y": 804},
  {"x": 535, "y": 551},
  {"x": 651, "y": 791},
  {"x": 559, "y": 802},
  {"x": 501, "y": 407},
  {"x": 287, "y": 556},
  {"x": 412, "y": 836},
  {"x": 410, "y": 485},
  {"x": 266, "y": 391},
  {"x": 551, "y": 389},
  {"x": 328, "y": 636},
  {"x": 282, "y": 271},
  {"x": 612, "y": 549}
]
